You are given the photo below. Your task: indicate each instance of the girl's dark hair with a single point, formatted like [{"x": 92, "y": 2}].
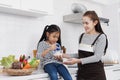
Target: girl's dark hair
[
  {"x": 50, "y": 29},
  {"x": 94, "y": 17}
]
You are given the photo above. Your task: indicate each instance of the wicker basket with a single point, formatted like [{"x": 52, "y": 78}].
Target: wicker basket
[{"x": 18, "y": 72}]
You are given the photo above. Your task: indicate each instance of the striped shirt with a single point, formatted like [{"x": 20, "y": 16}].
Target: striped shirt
[
  {"x": 98, "y": 47},
  {"x": 48, "y": 58}
]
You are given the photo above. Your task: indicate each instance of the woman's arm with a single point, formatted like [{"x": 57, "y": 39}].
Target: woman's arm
[
  {"x": 99, "y": 51},
  {"x": 72, "y": 61}
]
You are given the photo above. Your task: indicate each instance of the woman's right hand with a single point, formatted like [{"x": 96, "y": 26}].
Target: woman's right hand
[{"x": 72, "y": 61}]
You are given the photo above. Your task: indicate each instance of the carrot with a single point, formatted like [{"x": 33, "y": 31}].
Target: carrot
[{"x": 27, "y": 66}]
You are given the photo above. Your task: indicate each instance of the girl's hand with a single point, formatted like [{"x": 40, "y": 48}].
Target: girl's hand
[
  {"x": 72, "y": 61},
  {"x": 65, "y": 56},
  {"x": 53, "y": 47},
  {"x": 58, "y": 57}
]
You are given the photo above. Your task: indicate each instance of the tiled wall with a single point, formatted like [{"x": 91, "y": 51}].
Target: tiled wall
[{"x": 19, "y": 34}]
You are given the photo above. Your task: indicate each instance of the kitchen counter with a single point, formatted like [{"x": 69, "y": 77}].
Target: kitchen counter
[
  {"x": 38, "y": 74},
  {"x": 111, "y": 66},
  {"x": 41, "y": 75},
  {"x": 35, "y": 74}
]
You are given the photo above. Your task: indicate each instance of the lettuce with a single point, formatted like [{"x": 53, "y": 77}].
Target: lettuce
[{"x": 7, "y": 61}]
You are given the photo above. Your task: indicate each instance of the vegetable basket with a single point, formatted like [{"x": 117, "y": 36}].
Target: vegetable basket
[{"x": 18, "y": 72}]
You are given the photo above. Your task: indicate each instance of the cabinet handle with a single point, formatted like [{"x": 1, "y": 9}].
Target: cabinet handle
[
  {"x": 116, "y": 70},
  {"x": 5, "y": 5}
]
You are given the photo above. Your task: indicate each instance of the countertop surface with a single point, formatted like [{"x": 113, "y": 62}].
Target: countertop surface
[
  {"x": 40, "y": 74},
  {"x": 37, "y": 74}
]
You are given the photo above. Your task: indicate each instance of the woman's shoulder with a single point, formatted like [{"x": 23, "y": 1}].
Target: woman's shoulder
[{"x": 103, "y": 36}]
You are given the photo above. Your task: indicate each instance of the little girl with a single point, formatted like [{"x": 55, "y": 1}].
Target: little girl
[{"x": 49, "y": 43}]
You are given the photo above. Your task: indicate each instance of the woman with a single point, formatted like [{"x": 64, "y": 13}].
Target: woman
[{"x": 92, "y": 46}]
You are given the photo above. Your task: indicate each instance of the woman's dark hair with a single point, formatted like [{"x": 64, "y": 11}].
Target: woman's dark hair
[
  {"x": 50, "y": 29},
  {"x": 94, "y": 17}
]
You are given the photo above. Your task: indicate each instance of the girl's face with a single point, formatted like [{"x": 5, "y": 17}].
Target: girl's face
[
  {"x": 53, "y": 37},
  {"x": 89, "y": 25}
]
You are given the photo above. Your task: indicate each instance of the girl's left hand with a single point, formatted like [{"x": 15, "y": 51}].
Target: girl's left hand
[
  {"x": 72, "y": 61},
  {"x": 59, "y": 57}
]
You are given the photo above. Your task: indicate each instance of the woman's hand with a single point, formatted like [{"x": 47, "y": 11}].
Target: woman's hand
[{"x": 72, "y": 61}]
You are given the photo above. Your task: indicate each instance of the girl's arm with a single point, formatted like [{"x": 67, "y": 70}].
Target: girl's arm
[
  {"x": 46, "y": 51},
  {"x": 43, "y": 49}
]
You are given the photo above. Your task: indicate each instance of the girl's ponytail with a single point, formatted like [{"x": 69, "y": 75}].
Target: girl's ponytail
[{"x": 43, "y": 35}]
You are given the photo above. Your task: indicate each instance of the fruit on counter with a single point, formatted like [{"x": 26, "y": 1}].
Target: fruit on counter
[
  {"x": 21, "y": 63},
  {"x": 16, "y": 60},
  {"x": 17, "y": 65},
  {"x": 27, "y": 66},
  {"x": 34, "y": 63},
  {"x": 25, "y": 62},
  {"x": 23, "y": 59},
  {"x": 7, "y": 61}
]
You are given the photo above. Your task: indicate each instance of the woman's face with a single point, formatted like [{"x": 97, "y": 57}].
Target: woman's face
[
  {"x": 53, "y": 37},
  {"x": 88, "y": 24}
]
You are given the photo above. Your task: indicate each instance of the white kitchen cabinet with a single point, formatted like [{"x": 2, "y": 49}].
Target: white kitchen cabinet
[
  {"x": 45, "y": 6},
  {"x": 109, "y": 74},
  {"x": 116, "y": 73},
  {"x": 113, "y": 73},
  {"x": 29, "y": 8},
  {"x": 10, "y": 3}
]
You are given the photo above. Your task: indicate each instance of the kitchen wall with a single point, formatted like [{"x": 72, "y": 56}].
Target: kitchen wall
[
  {"x": 111, "y": 11},
  {"x": 20, "y": 34}
]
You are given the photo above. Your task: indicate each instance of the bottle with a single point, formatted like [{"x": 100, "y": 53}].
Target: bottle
[
  {"x": 64, "y": 49},
  {"x": 34, "y": 53}
]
